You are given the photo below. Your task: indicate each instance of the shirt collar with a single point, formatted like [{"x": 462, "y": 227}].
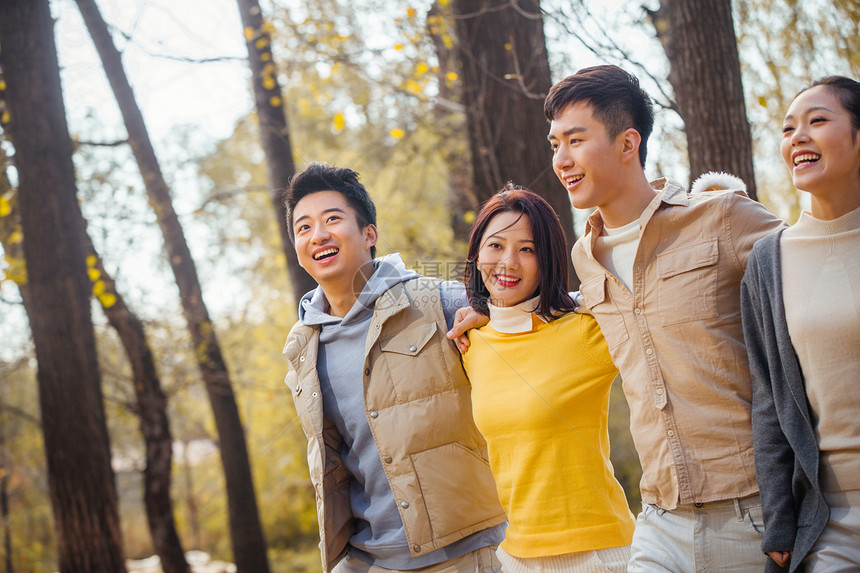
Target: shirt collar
[{"x": 668, "y": 191}]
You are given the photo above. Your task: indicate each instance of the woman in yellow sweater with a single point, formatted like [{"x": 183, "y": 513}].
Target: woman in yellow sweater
[{"x": 541, "y": 375}]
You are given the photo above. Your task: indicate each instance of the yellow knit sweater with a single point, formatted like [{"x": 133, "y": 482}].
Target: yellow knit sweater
[{"x": 541, "y": 399}]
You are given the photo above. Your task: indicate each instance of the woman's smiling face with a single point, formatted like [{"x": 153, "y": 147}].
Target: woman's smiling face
[
  {"x": 820, "y": 145},
  {"x": 507, "y": 260}
]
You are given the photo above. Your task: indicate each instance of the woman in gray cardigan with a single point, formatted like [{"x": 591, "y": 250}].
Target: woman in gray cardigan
[{"x": 801, "y": 317}]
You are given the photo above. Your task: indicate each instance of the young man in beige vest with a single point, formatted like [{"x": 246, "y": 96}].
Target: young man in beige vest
[{"x": 399, "y": 469}]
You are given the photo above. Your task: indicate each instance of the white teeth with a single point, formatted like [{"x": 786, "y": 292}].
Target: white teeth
[
  {"x": 806, "y": 157},
  {"x": 573, "y": 178},
  {"x": 325, "y": 253},
  {"x": 507, "y": 279}
]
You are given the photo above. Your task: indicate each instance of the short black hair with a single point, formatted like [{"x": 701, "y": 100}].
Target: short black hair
[
  {"x": 615, "y": 98},
  {"x": 323, "y": 177}
]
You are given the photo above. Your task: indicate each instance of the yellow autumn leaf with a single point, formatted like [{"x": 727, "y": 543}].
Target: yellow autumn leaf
[
  {"x": 397, "y": 133},
  {"x": 762, "y": 101},
  {"x": 2, "y": 85},
  {"x": 5, "y": 207},
  {"x": 422, "y": 69},
  {"x": 447, "y": 41},
  {"x": 92, "y": 260},
  {"x": 509, "y": 46},
  {"x": 94, "y": 274},
  {"x": 4, "y": 118},
  {"x": 98, "y": 288},
  {"x": 452, "y": 76},
  {"x": 410, "y": 12},
  {"x": 107, "y": 299},
  {"x": 16, "y": 237},
  {"x": 261, "y": 43},
  {"x": 268, "y": 82},
  {"x": 443, "y": 2},
  {"x": 469, "y": 217},
  {"x": 339, "y": 121},
  {"x": 265, "y": 56},
  {"x": 398, "y": 46},
  {"x": 249, "y": 33},
  {"x": 275, "y": 101}
]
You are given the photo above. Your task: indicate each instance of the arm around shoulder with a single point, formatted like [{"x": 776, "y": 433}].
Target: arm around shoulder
[{"x": 748, "y": 221}]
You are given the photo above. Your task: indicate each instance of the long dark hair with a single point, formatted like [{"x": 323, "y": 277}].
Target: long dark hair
[
  {"x": 848, "y": 92},
  {"x": 550, "y": 248}
]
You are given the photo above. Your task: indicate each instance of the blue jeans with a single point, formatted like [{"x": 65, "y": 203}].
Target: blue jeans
[{"x": 717, "y": 536}]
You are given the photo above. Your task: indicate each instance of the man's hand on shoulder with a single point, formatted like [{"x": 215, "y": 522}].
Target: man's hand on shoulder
[{"x": 465, "y": 319}]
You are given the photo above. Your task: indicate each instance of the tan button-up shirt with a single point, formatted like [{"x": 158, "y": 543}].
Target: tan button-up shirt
[{"x": 676, "y": 338}]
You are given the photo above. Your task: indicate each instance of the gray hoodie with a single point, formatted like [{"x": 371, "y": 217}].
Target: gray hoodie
[{"x": 379, "y": 535}]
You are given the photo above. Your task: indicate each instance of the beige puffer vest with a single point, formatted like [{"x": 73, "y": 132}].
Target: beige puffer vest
[{"x": 418, "y": 406}]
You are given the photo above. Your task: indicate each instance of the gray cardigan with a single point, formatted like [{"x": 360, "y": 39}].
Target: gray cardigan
[{"x": 786, "y": 447}]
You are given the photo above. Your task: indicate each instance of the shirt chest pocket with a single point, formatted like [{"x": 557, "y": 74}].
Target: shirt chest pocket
[
  {"x": 606, "y": 312},
  {"x": 687, "y": 282}
]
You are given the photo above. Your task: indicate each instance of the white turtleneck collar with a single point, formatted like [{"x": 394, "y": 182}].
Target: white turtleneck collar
[{"x": 514, "y": 319}]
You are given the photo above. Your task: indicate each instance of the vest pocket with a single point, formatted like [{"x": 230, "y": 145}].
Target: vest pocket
[
  {"x": 457, "y": 486},
  {"x": 687, "y": 282},
  {"x": 415, "y": 363}
]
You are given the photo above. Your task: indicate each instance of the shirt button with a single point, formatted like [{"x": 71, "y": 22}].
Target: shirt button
[
  {"x": 413, "y": 348},
  {"x": 404, "y": 504},
  {"x": 637, "y": 310},
  {"x": 314, "y": 394},
  {"x": 416, "y": 548},
  {"x": 301, "y": 358},
  {"x": 670, "y": 433},
  {"x": 649, "y": 351},
  {"x": 374, "y": 414},
  {"x": 659, "y": 391},
  {"x": 376, "y": 326},
  {"x": 387, "y": 459}
]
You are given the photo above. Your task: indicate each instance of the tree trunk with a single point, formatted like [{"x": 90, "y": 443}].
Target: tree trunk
[
  {"x": 152, "y": 409},
  {"x": 506, "y": 77},
  {"x": 4, "y": 502},
  {"x": 274, "y": 133},
  {"x": 698, "y": 37},
  {"x": 462, "y": 202},
  {"x": 80, "y": 479},
  {"x": 249, "y": 546}
]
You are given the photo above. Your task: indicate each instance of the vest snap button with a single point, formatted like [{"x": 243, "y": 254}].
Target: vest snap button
[
  {"x": 404, "y": 504},
  {"x": 416, "y": 548},
  {"x": 374, "y": 414},
  {"x": 387, "y": 459},
  {"x": 367, "y": 371},
  {"x": 413, "y": 348}
]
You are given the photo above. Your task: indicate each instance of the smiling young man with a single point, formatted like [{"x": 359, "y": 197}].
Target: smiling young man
[
  {"x": 661, "y": 272},
  {"x": 399, "y": 469}
]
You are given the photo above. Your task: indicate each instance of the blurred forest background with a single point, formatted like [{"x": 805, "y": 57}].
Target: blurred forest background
[{"x": 147, "y": 285}]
